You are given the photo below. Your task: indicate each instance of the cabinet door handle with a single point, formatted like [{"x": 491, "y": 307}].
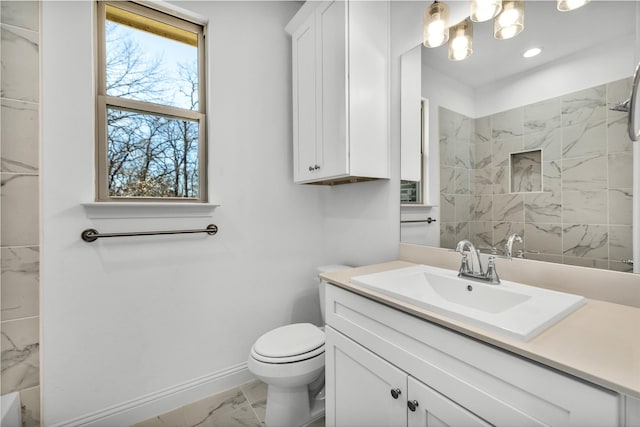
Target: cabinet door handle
[
  {"x": 395, "y": 393},
  {"x": 316, "y": 167},
  {"x": 310, "y": 168},
  {"x": 412, "y": 404}
]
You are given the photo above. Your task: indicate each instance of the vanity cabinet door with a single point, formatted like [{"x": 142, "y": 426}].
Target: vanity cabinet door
[
  {"x": 332, "y": 152},
  {"x": 304, "y": 99},
  {"x": 428, "y": 408},
  {"x": 362, "y": 388},
  {"x": 340, "y": 91},
  {"x": 319, "y": 94}
]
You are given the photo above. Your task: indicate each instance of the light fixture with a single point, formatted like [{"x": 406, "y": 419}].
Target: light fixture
[
  {"x": 530, "y": 53},
  {"x": 483, "y": 10},
  {"x": 566, "y": 5},
  {"x": 510, "y": 22},
  {"x": 461, "y": 41},
  {"x": 436, "y": 25}
]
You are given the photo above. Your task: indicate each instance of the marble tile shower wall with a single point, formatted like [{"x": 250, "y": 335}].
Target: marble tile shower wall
[
  {"x": 583, "y": 214},
  {"x": 19, "y": 192}
]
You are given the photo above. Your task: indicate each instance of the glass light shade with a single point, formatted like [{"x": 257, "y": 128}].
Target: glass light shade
[
  {"x": 461, "y": 41},
  {"x": 510, "y": 22},
  {"x": 483, "y": 10},
  {"x": 566, "y": 5},
  {"x": 436, "y": 25}
]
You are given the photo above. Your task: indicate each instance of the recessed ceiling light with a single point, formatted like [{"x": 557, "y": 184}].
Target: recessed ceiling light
[{"x": 532, "y": 52}]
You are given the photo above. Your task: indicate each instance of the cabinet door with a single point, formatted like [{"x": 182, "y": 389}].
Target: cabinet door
[
  {"x": 305, "y": 68},
  {"x": 332, "y": 153},
  {"x": 428, "y": 408},
  {"x": 359, "y": 386}
]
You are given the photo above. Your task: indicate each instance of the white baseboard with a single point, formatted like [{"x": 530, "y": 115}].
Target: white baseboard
[{"x": 147, "y": 406}]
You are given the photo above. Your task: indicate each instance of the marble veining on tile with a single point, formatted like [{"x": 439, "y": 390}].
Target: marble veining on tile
[
  {"x": 503, "y": 148},
  {"x": 508, "y": 207},
  {"x": 481, "y": 155},
  {"x": 447, "y": 180},
  {"x": 552, "y": 176},
  {"x": 543, "y": 208},
  {"x": 544, "y": 238},
  {"x": 584, "y": 139},
  {"x": 586, "y": 173},
  {"x": 584, "y": 106},
  {"x": 621, "y": 206},
  {"x": 620, "y": 242},
  {"x": 542, "y": 117},
  {"x": 463, "y": 208},
  {"x": 19, "y": 210},
  {"x": 482, "y": 208},
  {"x": 20, "y": 282},
  {"x": 20, "y": 364},
  {"x": 508, "y": 124},
  {"x": 481, "y": 233},
  {"x": 481, "y": 181},
  {"x": 243, "y": 406},
  {"x": 23, "y": 14},
  {"x": 19, "y": 136},
  {"x": 584, "y": 207},
  {"x": 588, "y": 241},
  {"x": 19, "y": 58},
  {"x": 462, "y": 180},
  {"x": 549, "y": 141}
]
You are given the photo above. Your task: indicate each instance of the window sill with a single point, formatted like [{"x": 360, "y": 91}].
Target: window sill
[
  {"x": 416, "y": 206},
  {"x": 108, "y": 210}
]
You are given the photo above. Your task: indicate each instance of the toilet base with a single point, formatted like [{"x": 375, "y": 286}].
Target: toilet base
[{"x": 290, "y": 407}]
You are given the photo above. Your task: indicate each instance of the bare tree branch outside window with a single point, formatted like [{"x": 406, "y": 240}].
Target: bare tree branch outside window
[{"x": 148, "y": 154}]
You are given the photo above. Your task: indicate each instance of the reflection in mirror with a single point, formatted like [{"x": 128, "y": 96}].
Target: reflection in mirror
[
  {"x": 534, "y": 146},
  {"x": 411, "y": 191}
]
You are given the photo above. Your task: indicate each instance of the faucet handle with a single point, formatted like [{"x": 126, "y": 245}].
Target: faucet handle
[
  {"x": 464, "y": 265},
  {"x": 492, "y": 273}
]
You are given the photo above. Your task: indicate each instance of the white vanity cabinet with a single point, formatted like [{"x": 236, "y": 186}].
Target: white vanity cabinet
[
  {"x": 371, "y": 392},
  {"x": 340, "y": 52},
  {"x": 375, "y": 352}
]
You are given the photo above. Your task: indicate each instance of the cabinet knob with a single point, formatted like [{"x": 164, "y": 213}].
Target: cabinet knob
[
  {"x": 316, "y": 167},
  {"x": 412, "y": 404},
  {"x": 310, "y": 168},
  {"x": 395, "y": 393}
]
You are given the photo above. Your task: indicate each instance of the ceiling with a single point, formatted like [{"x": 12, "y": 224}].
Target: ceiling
[{"x": 559, "y": 34}]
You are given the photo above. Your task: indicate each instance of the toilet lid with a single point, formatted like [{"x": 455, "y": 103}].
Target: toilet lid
[{"x": 290, "y": 340}]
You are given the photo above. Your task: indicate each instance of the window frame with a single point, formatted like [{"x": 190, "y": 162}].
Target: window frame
[{"x": 104, "y": 101}]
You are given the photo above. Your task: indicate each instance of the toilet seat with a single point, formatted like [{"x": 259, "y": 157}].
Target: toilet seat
[{"x": 289, "y": 344}]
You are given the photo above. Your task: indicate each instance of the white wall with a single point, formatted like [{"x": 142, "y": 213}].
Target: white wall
[{"x": 164, "y": 320}]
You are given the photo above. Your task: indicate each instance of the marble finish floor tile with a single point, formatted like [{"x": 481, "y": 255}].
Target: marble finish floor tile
[{"x": 243, "y": 406}]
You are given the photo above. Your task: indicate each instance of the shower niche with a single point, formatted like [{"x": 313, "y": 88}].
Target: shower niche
[{"x": 526, "y": 171}]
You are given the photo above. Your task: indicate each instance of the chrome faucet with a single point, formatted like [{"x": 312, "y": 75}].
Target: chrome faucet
[
  {"x": 475, "y": 272},
  {"x": 514, "y": 237}
]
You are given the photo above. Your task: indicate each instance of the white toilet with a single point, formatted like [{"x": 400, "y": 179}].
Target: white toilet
[{"x": 290, "y": 360}]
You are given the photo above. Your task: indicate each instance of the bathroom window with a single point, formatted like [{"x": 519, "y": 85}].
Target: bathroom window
[{"x": 151, "y": 135}]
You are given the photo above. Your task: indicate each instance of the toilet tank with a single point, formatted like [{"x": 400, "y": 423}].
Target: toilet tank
[{"x": 322, "y": 284}]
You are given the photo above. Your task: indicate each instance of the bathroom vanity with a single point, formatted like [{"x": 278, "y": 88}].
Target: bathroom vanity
[{"x": 392, "y": 363}]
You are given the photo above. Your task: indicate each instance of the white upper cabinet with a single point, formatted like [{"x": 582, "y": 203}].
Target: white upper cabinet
[{"x": 340, "y": 53}]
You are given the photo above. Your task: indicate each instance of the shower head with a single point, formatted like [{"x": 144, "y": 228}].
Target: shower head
[{"x": 622, "y": 106}]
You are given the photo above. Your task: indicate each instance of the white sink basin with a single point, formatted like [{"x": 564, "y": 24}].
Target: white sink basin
[{"x": 510, "y": 308}]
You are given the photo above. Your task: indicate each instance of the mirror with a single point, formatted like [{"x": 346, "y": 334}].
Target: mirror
[{"x": 535, "y": 146}]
